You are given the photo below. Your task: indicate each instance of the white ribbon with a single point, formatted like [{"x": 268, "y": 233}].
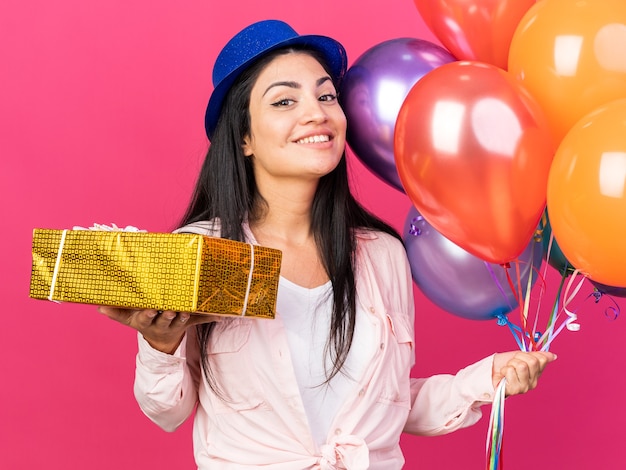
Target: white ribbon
[
  {"x": 57, "y": 265},
  {"x": 245, "y": 299},
  {"x": 109, "y": 228}
]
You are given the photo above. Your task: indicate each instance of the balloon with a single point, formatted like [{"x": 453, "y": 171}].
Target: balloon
[
  {"x": 372, "y": 92},
  {"x": 609, "y": 290},
  {"x": 570, "y": 55},
  {"x": 587, "y": 194},
  {"x": 552, "y": 250},
  {"x": 459, "y": 282},
  {"x": 473, "y": 154},
  {"x": 477, "y": 30}
]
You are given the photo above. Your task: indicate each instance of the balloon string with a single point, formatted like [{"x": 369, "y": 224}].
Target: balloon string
[
  {"x": 615, "y": 310},
  {"x": 520, "y": 335},
  {"x": 528, "y": 289},
  {"x": 570, "y": 321},
  {"x": 542, "y": 291},
  {"x": 527, "y": 340},
  {"x": 496, "y": 281},
  {"x": 545, "y": 342},
  {"x": 539, "y": 234},
  {"x": 517, "y": 296},
  {"x": 496, "y": 421},
  {"x": 532, "y": 336},
  {"x": 516, "y": 331},
  {"x": 519, "y": 279},
  {"x": 517, "y": 292},
  {"x": 524, "y": 312},
  {"x": 493, "y": 446},
  {"x": 538, "y": 237},
  {"x": 530, "y": 339}
]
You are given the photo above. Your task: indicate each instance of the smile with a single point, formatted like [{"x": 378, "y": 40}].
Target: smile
[{"x": 313, "y": 139}]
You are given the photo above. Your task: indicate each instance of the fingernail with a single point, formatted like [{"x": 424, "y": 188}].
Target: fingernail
[{"x": 152, "y": 313}]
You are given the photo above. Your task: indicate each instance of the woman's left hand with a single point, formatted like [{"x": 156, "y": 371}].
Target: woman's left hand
[{"x": 521, "y": 369}]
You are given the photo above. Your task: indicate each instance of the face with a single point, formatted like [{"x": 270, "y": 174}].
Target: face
[{"x": 297, "y": 128}]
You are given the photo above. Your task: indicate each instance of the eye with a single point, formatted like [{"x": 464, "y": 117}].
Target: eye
[
  {"x": 283, "y": 102},
  {"x": 328, "y": 97}
]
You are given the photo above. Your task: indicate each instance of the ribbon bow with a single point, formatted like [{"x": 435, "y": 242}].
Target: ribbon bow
[{"x": 344, "y": 451}]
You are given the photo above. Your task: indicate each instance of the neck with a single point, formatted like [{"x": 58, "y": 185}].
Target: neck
[
  {"x": 285, "y": 224},
  {"x": 286, "y": 214}
]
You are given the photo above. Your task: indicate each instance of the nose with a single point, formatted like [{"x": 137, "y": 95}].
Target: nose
[{"x": 313, "y": 110}]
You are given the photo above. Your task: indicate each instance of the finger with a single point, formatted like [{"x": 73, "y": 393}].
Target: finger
[
  {"x": 537, "y": 361},
  {"x": 549, "y": 356},
  {"x": 544, "y": 359},
  {"x": 179, "y": 320},
  {"x": 528, "y": 368},
  {"x": 193, "y": 319},
  {"x": 541, "y": 360},
  {"x": 165, "y": 318},
  {"x": 120, "y": 315},
  {"x": 517, "y": 376},
  {"x": 176, "y": 320},
  {"x": 143, "y": 319}
]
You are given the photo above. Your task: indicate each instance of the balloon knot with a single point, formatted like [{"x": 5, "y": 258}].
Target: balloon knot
[
  {"x": 415, "y": 230},
  {"x": 501, "y": 320}
]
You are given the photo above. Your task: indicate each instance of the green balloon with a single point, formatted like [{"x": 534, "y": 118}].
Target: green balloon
[{"x": 556, "y": 257}]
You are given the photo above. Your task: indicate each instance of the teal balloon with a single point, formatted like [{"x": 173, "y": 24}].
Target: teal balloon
[{"x": 556, "y": 257}]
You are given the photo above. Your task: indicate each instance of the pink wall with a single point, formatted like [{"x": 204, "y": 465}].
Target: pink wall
[{"x": 102, "y": 109}]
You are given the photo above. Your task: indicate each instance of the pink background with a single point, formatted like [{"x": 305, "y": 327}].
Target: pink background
[{"x": 102, "y": 111}]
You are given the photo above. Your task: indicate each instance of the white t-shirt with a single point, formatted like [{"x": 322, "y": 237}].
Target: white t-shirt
[{"x": 306, "y": 314}]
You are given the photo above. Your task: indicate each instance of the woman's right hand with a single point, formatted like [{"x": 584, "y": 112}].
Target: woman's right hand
[{"x": 163, "y": 330}]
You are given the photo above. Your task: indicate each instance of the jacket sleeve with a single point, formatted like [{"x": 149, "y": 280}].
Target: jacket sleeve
[
  {"x": 445, "y": 403},
  {"x": 166, "y": 386}
]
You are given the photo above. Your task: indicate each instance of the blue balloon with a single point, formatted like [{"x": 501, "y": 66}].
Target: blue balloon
[{"x": 459, "y": 282}]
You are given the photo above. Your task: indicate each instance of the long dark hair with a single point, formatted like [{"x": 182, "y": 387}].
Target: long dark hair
[{"x": 226, "y": 189}]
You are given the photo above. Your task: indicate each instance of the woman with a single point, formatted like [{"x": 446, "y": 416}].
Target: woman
[{"x": 326, "y": 384}]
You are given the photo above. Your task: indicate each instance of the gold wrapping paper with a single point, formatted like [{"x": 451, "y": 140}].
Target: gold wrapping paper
[{"x": 162, "y": 271}]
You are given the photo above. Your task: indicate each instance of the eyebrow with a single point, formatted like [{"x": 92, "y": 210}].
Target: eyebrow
[{"x": 295, "y": 85}]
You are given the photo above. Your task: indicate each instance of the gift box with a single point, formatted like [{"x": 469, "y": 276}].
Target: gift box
[{"x": 161, "y": 271}]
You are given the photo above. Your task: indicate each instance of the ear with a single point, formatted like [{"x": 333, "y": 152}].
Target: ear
[{"x": 247, "y": 146}]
